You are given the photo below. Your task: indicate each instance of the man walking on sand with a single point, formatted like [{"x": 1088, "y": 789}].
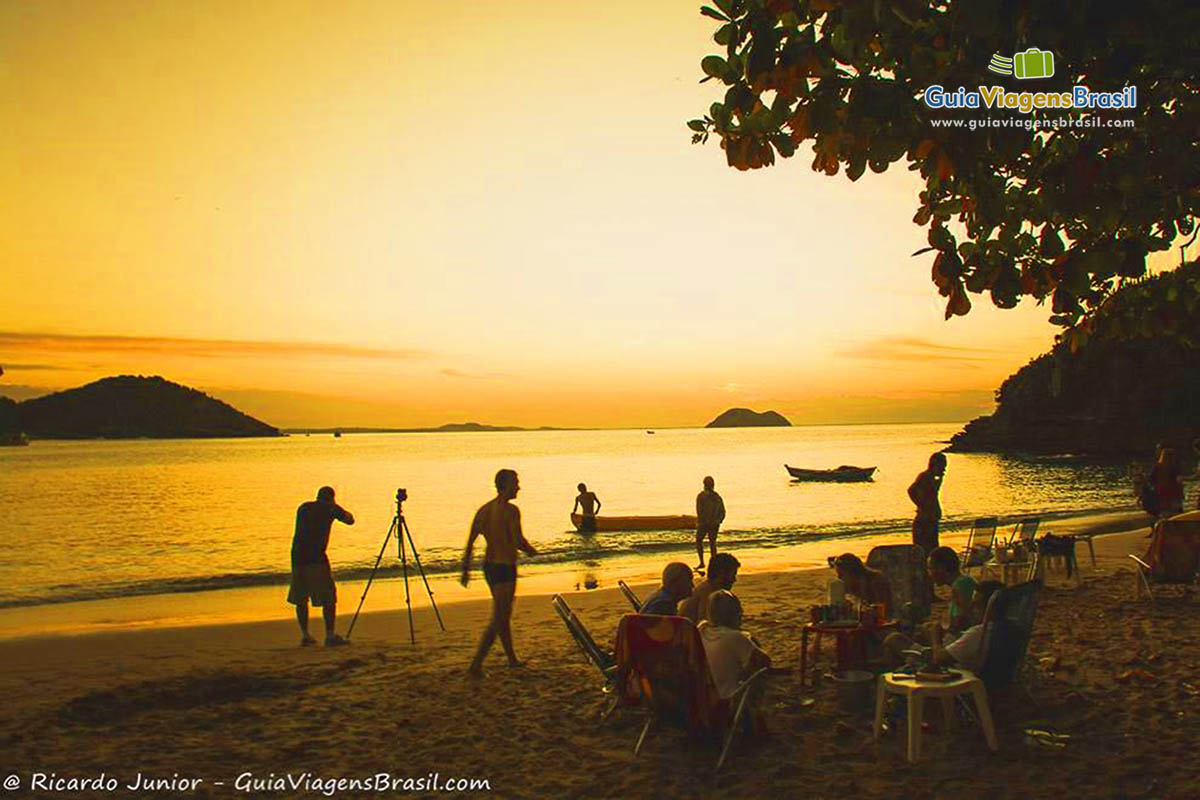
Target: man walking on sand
[
  {"x": 499, "y": 522},
  {"x": 710, "y": 513},
  {"x": 311, "y": 575},
  {"x": 589, "y": 506}
]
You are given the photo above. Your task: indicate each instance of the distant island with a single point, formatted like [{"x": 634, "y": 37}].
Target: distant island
[
  {"x": 453, "y": 427},
  {"x": 745, "y": 418},
  {"x": 1126, "y": 388},
  {"x": 128, "y": 407}
]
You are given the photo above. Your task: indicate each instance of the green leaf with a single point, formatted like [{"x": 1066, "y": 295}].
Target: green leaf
[
  {"x": 724, "y": 34},
  {"x": 698, "y": 125},
  {"x": 924, "y": 250},
  {"x": 784, "y": 145},
  {"x": 714, "y": 66},
  {"x": 712, "y": 12}
]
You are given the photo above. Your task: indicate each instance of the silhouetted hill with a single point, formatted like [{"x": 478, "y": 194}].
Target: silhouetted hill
[
  {"x": 745, "y": 418},
  {"x": 1133, "y": 382},
  {"x": 132, "y": 407}
]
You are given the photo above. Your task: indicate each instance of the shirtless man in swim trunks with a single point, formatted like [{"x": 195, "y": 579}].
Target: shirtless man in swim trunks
[
  {"x": 499, "y": 522},
  {"x": 589, "y": 505}
]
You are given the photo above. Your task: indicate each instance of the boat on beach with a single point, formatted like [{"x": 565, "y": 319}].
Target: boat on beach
[
  {"x": 674, "y": 522},
  {"x": 842, "y": 474}
]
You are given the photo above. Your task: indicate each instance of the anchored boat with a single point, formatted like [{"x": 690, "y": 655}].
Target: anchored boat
[{"x": 843, "y": 474}]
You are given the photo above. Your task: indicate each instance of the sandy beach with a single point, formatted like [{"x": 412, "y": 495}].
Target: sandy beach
[{"x": 242, "y": 709}]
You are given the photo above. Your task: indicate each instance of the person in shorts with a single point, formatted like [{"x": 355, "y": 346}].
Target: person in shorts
[
  {"x": 588, "y": 506},
  {"x": 924, "y": 495},
  {"x": 499, "y": 522},
  {"x": 312, "y": 579},
  {"x": 710, "y": 513}
]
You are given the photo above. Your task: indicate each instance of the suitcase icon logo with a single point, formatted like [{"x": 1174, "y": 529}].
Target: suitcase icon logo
[{"x": 1033, "y": 63}]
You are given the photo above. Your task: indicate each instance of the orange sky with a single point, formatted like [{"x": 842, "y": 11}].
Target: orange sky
[{"x": 392, "y": 213}]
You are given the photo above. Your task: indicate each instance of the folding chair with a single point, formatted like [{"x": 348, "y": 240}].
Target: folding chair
[
  {"x": 1173, "y": 557},
  {"x": 662, "y": 671},
  {"x": 598, "y": 657},
  {"x": 1025, "y": 531},
  {"x": 630, "y": 595},
  {"x": 980, "y": 543},
  {"x": 1006, "y": 634},
  {"x": 904, "y": 567}
]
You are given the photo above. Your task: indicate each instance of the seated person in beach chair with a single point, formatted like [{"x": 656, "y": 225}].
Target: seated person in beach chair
[
  {"x": 868, "y": 585},
  {"x": 965, "y": 650},
  {"x": 732, "y": 654},
  {"x": 944, "y": 570},
  {"x": 662, "y": 669},
  {"x": 722, "y": 574},
  {"x": 677, "y": 584}
]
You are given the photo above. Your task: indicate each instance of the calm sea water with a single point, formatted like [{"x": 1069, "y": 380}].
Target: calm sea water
[{"x": 98, "y": 519}]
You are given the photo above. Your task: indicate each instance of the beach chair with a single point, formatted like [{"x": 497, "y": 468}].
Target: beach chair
[
  {"x": 981, "y": 541},
  {"x": 1025, "y": 531},
  {"x": 904, "y": 567},
  {"x": 597, "y": 656},
  {"x": 630, "y": 595},
  {"x": 1173, "y": 557},
  {"x": 662, "y": 672},
  {"x": 1007, "y": 633}
]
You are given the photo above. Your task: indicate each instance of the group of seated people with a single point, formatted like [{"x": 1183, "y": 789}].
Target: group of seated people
[
  {"x": 731, "y": 653},
  {"x": 961, "y": 643}
]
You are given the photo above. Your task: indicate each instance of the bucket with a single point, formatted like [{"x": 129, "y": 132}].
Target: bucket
[{"x": 854, "y": 690}]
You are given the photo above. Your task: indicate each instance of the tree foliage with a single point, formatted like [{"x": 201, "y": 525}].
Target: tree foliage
[{"x": 1064, "y": 214}]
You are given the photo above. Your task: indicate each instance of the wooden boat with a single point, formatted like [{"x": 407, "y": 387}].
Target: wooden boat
[
  {"x": 676, "y": 522},
  {"x": 843, "y": 474}
]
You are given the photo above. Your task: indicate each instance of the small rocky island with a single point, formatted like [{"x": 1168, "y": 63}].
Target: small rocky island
[
  {"x": 745, "y": 418},
  {"x": 128, "y": 407}
]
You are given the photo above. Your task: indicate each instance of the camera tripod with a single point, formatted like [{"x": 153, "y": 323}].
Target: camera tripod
[{"x": 400, "y": 528}]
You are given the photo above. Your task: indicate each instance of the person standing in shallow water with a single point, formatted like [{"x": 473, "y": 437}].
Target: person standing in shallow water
[
  {"x": 499, "y": 522},
  {"x": 710, "y": 513},
  {"x": 589, "y": 506},
  {"x": 311, "y": 575},
  {"x": 924, "y": 494}
]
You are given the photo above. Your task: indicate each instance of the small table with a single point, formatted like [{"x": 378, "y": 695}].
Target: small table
[
  {"x": 916, "y": 691},
  {"x": 851, "y": 643},
  {"x": 1010, "y": 572}
]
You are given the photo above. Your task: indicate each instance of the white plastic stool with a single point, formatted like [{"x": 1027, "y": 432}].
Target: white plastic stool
[{"x": 917, "y": 691}]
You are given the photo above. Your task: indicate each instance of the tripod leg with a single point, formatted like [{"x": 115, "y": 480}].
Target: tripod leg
[
  {"x": 420, "y": 569},
  {"x": 412, "y": 634},
  {"x": 375, "y": 568}
]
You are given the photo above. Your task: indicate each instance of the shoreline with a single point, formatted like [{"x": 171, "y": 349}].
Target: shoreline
[{"x": 266, "y": 604}]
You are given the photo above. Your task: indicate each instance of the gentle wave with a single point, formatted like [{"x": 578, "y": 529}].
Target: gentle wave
[{"x": 600, "y": 547}]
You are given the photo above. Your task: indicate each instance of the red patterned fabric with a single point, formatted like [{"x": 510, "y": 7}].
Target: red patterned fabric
[
  {"x": 661, "y": 666},
  {"x": 1174, "y": 553}
]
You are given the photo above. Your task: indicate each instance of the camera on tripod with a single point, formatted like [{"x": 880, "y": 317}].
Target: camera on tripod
[{"x": 399, "y": 529}]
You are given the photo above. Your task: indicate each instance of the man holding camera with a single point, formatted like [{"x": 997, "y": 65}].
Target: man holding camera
[
  {"x": 499, "y": 522},
  {"x": 311, "y": 575}
]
